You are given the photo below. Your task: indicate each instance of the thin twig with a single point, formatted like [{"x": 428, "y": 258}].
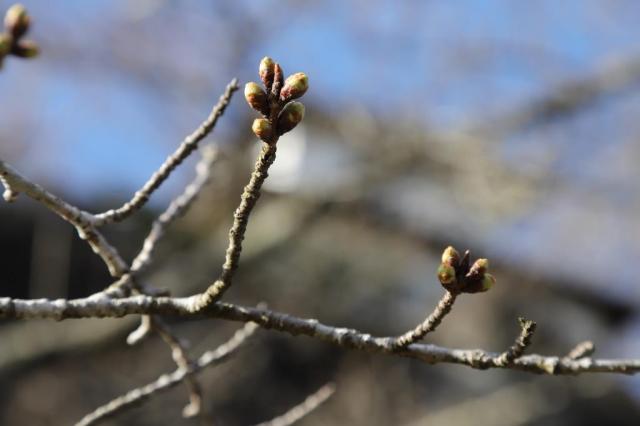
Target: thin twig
[
  {"x": 236, "y": 233},
  {"x": 429, "y": 324},
  {"x": 582, "y": 350},
  {"x": 177, "y": 208},
  {"x": 181, "y": 358},
  {"x": 527, "y": 329},
  {"x": 167, "y": 381},
  {"x": 102, "y": 306},
  {"x": 301, "y": 410},
  {"x": 188, "y": 145}
]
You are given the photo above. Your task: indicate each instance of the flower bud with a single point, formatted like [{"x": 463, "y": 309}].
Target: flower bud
[
  {"x": 17, "y": 21},
  {"x": 256, "y": 97},
  {"x": 25, "y": 49},
  {"x": 290, "y": 116},
  {"x": 446, "y": 274},
  {"x": 294, "y": 86},
  {"x": 266, "y": 71},
  {"x": 262, "y": 128},
  {"x": 479, "y": 267},
  {"x": 450, "y": 256},
  {"x": 487, "y": 282}
]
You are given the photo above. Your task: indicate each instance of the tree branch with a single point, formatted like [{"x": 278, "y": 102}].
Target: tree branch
[
  {"x": 300, "y": 411},
  {"x": 167, "y": 381},
  {"x": 101, "y": 306},
  {"x": 177, "y": 208},
  {"x": 236, "y": 233},
  {"x": 188, "y": 145}
]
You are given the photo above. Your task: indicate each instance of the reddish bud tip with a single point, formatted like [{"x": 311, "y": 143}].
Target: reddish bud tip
[
  {"x": 266, "y": 71},
  {"x": 294, "y": 87}
]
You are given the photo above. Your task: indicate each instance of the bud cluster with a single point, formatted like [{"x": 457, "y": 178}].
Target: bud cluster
[
  {"x": 276, "y": 100},
  {"x": 16, "y": 25},
  {"x": 457, "y": 275}
]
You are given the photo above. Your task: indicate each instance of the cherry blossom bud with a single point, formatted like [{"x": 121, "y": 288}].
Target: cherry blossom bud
[
  {"x": 290, "y": 116},
  {"x": 266, "y": 71},
  {"x": 17, "y": 21},
  {"x": 294, "y": 86},
  {"x": 446, "y": 274},
  {"x": 256, "y": 97},
  {"x": 262, "y": 128},
  {"x": 450, "y": 256}
]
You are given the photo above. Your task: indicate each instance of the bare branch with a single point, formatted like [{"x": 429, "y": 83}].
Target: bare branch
[
  {"x": 101, "y": 306},
  {"x": 167, "y": 381},
  {"x": 181, "y": 358},
  {"x": 236, "y": 233},
  {"x": 301, "y": 410},
  {"x": 177, "y": 208},
  {"x": 188, "y": 145},
  {"x": 527, "y": 329},
  {"x": 429, "y": 324},
  {"x": 15, "y": 183}
]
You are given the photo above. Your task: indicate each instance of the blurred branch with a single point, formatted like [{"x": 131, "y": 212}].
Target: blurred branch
[
  {"x": 568, "y": 98},
  {"x": 177, "y": 208},
  {"x": 312, "y": 402},
  {"x": 582, "y": 350},
  {"x": 167, "y": 381}
]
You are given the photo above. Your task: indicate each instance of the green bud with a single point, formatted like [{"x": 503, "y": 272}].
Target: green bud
[
  {"x": 290, "y": 116},
  {"x": 487, "y": 282},
  {"x": 446, "y": 274},
  {"x": 294, "y": 86},
  {"x": 262, "y": 128},
  {"x": 450, "y": 256},
  {"x": 17, "y": 21},
  {"x": 266, "y": 71},
  {"x": 25, "y": 49},
  {"x": 256, "y": 97},
  {"x": 5, "y": 44}
]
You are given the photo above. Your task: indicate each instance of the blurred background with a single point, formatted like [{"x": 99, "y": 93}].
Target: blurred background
[{"x": 509, "y": 128}]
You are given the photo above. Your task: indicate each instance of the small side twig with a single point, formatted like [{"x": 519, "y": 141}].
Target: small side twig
[
  {"x": 582, "y": 350},
  {"x": 429, "y": 324},
  {"x": 188, "y": 145},
  {"x": 181, "y": 358},
  {"x": 301, "y": 410},
  {"x": 167, "y": 381},
  {"x": 527, "y": 329}
]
